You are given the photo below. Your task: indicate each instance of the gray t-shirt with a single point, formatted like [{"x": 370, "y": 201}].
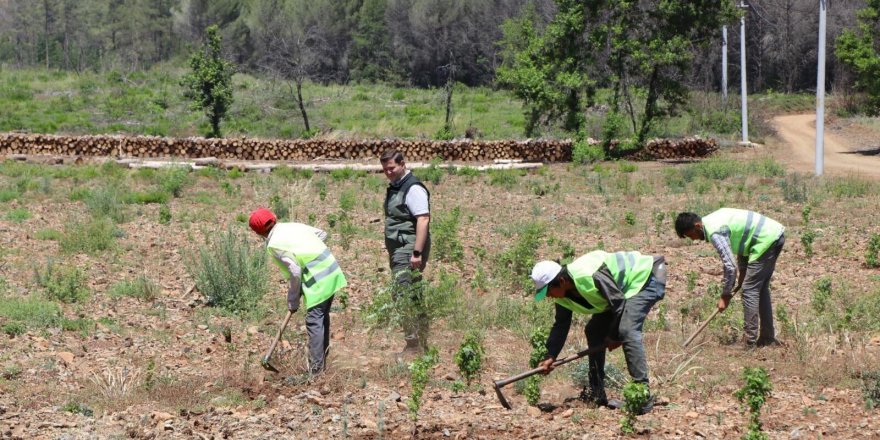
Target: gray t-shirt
[{"x": 416, "y": 200}]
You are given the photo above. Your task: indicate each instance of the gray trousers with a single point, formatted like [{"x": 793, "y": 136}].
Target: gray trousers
[
  {"x": 629, "y": 331},
  {"x": 757, "y": 309},
  {"x": 415, "y": 323},
  {"x": 318, "y": 328}
]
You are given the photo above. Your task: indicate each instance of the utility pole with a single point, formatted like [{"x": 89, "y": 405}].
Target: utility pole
[
  {"x": 724, "y": 67},
  {"x": 820, "y": 92},
  {"x": 742, "y": 73}
]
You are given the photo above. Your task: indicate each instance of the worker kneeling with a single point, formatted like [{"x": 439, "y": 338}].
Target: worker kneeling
[{"x": 618, "y": 289}]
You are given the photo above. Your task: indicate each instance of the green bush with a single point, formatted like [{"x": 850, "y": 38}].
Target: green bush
[
  {"x": 754, "y": 394},
  {"x": 504, "y": 178},
  {"x": 872, "y": 254},
  {"x": 106, "y": 201},
  {"x": 445, "y": 243},
  {"x": 635, "y": 396},
  {"x": 821, "y": 295},
  {"x": 850, "y": 187},
  {"x": 141, "y": 288},
  {"x": 469, "y": 357},
  {"x": 871, "y": 389},
  {"x": 147, "y": 197},
  {"x": 164, "y": 214},
  {"x": 13, "y": 329},
  {"x": 516, "y": 262},
  {"x": 807, "y": 239},
  {"x": 582, "y": 152},
  {"x": 65, "y": 284},
  {"x": 93, "y": 236},
  {"x": 433, "y": 173},
  {"x": 82, "y": 325},
  {"x": 174, "y": 180},
  {"x": 230, "y": 273},
  {"x": 78, "y": 408},
  {"x": 532, "y": 389},
  {"x": 794, "y": 188},
  {"x": 18, "y": 215},
  {"x": 30, "y": 311},
  {"x": 419, "y": 376}
]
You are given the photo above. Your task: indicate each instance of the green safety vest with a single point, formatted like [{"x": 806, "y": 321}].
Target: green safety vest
[
  {"x": 630, "y": 270},
  {"x": 751, "y": 234},
  {"x": 321, "y": 275},
  {"x": 400, "y": 224}
]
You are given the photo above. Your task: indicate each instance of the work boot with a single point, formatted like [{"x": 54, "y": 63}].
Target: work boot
[{"x": 648, "y": 406}]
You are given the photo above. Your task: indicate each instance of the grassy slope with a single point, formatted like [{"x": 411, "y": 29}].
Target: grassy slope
[{"x": 152, "y": 103}]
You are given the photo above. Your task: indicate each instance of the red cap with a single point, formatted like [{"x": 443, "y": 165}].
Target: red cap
[{"x": 262, "y": 221}]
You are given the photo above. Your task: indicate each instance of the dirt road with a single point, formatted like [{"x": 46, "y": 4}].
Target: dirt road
[{"x": 798, "y": 149}]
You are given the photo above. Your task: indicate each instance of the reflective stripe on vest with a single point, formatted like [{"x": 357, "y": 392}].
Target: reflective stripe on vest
[
  {"x": 631, "y": 271},
  {"x": 751, "y": 234},
  {"x": 321, "y": 276}
]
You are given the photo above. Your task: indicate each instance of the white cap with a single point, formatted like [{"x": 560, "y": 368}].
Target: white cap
[{"x": 542, "y": 274}]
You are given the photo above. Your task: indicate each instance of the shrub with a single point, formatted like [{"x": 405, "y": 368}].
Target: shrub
[
  {"x": 794, "y": 188},
  {"x": 106, "y": 201},
  {"x": 807, "y": 238},
  {"x": 419, "y": 377},
  {"x": 635, "y": 396},
  {"x": 77, "y": 408},
  {"x": 93, "y": 236},
  {"x": 164, "y": 214},
  {"x": 469, "y": 357},
  {"x": 538, "y": 341},
  {"x": 582, "y": 152},
  {"x": 754, "y": 394},
  {"x": 30, "y": 311},
  {"x": 174, "y": 180},
  {"x": 871, "y": 389},
  {"x": 871, "y": 254},
  {"x": 630, "y": 218},
  {"x": 805, "y": 214},
  {"x": 147, "y": 197},
  {"x": 821, "y": 295},
  {"x": 505, "y": 178},
  {"x": 82, "y": 325},
  {"x": 230, "y": 273},
  {"x": 14, "y": 329},
  {"x": 18, "y": 215},
  {"x": 66, "y": 284},
  {"x": 280, "y": 207},
  {"x": 445, "y": 244},
  {"x": 433, "y": 173},
  {"x": 517, "y": 261},
  {"x": 141, "y": 288}
]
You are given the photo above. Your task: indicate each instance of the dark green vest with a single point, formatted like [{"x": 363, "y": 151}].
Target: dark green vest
[{"x": 400, "y": 224}]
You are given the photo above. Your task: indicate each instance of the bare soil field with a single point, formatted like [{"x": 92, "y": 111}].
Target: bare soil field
[{"x": 113, "y": 361}]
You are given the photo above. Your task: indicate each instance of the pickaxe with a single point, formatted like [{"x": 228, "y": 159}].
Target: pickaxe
[
  {"x": 264, "y": 362},
  {"x": 498, "y": 384}
]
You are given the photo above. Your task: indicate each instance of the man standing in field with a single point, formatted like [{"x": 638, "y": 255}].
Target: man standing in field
[
  {"x": 757, "y": 241},
  {"x": 305, "y": 260},
  {"x": 618, "y": 290},
  {"x": 408, "y": 240}
]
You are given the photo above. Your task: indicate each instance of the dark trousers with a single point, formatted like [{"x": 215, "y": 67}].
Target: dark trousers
[
  {"x": 318, "y": 329},
  {"x": 629, "y": 331},
  {"x": 757, "y": 308},
  {"x": 407, "y": 285}
]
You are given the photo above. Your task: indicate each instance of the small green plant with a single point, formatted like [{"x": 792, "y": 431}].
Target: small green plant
[
  {"x": 538, "y": 342},
  {"x": 872, "y": 259},
  {"x": 658, "y": 217},
  {"x": 230, "y": 273},
  {"x": 635, "y": 396},
  {"x": 754, "y": 395},
  {"x": 141, "y": 288},
  {"x": 871, "y": 388},
  {"x": 582, "y": 152},
  {"x": 822, "y": 291},
  {"x": 419, "y": 376},
  {"x": 66, "y": 284},
  {"x": 630, "y": 218},
  {"x": 13, "y": 329},
  {"x": 691, "y": 280},
  {"x": 48, "y": 234},
  {"x": 504, "y": 178},
  {"x": 77, "y": 408},
  {"x": 12, "y": 372},
  {"x": 164, "y": 214},
  {"x": 469, "y": 357},
  {"x": 18, "y": 215},
  {"x": 807, "y": 239},
  {"x": 516, "y": 262},
  {"x": 280, "y": 207},
  {"x": 174, "y": 180},
  {"x": 805, "y": 214},
  {"x": 433, "y": 173},
  {"x": 93, "y": 236},
  {"x": 446, "y": 243}
]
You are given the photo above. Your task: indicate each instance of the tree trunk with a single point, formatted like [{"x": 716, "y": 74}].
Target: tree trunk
[{"x": 302, "y": 107}]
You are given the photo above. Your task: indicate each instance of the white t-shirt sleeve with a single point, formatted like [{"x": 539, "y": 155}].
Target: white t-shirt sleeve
[{"x": 417, "y": 201}]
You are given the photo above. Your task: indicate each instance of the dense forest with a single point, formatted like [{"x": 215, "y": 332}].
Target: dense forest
[{"x": 407, "y": 42}]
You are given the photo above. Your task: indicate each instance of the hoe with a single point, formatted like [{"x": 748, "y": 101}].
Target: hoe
[
  {"x": 498, "y": 384},
  {"x": 264, "y": 362}
]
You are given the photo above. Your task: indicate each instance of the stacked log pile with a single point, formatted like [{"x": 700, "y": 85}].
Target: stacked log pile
[{"x": 120, "y": 146}]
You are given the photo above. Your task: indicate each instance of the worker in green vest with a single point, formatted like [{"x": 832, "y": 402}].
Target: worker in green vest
[
  {"x": 618, "y": 290},
  {"x": 408, "y": 241},
  {"x": 756, "y": 241},
  {"x": 312, "y": 271}
]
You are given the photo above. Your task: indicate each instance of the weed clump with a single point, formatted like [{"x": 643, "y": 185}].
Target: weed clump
[
  {"x": 872, "y": 259},
  {"x": 635, "y": 396},
  {"x": 446, "y": 244},
  {"x": 90, "y": 237},
  {"x": 230, "y": 273},
  {"x": 871, "y": 389},
  {"x": 141, "y": 288},
  {"x": 67, "y": 285}
]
